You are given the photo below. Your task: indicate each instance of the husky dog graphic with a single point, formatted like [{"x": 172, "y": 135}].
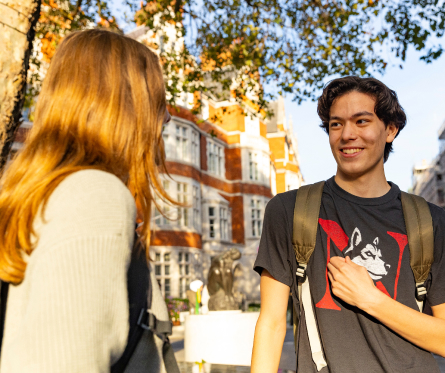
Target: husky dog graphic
[{"x": 369, "y": 257}]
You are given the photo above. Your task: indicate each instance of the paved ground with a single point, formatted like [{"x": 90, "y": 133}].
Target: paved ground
[{"x": 288, "y": 359}]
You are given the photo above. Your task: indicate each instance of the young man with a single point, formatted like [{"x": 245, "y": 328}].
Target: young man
[{"x": 366, "y": 312}]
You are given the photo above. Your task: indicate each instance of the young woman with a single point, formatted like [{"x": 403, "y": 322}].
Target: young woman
[{"x": 67, "y": 205}]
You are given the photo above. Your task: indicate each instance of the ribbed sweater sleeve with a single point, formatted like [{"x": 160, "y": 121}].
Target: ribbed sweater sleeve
[{"x": 70, "y": 314}]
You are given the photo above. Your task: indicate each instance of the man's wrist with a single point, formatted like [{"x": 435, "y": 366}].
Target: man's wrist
[{"x": 373, "y": 302}]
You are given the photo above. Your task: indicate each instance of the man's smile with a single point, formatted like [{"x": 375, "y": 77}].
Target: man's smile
[{"x": 351, "y": 151}]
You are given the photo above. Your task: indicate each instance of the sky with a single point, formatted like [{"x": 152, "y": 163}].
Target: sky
[{"x": 421, "y": 91}]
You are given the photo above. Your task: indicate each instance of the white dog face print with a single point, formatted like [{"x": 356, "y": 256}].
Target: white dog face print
[
  {"x": 367, "y": 255},
  {"x": 366, "y": 252}
]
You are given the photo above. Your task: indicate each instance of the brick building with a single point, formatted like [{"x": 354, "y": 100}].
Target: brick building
[{"x": 225, "y": 172}]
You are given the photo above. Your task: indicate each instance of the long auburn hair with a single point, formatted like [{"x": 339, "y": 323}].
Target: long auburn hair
[{"x": 102, "y": 106}]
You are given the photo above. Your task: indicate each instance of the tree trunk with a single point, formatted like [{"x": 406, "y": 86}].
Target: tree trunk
[{"x": 17, "y": 29}]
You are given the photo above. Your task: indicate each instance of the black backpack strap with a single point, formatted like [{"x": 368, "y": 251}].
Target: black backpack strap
[
  {"x": 138, "y": 285},
  {"x": 171, "y": 366},
  {"x": 4, "y": 287},
  {"x": 140, "y": 296},
  {"x": 162, "y": 329}
]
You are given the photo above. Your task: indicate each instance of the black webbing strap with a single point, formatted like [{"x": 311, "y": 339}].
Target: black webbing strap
[
  {"x": 171, "y": 366},
  {"x": 138, "y": 285},
  {"x": 140, "y": 296},
  {"x": 148, "y": 321},
  {"x": 162, "y": 329},
  {"x": 4, "y": 287}
]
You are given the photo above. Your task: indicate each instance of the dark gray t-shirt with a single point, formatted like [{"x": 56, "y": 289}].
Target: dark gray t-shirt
[{"x": 372, "y": 232}]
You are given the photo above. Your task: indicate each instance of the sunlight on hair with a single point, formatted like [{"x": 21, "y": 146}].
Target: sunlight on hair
[{"x": 102, "y": 106}]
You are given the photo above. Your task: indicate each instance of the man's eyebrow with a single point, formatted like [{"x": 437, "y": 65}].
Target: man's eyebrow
[{"x": 359, "y": 114}]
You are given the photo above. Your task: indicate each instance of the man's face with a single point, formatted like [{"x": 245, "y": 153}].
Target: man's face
[{"x": 356, "y": 135}]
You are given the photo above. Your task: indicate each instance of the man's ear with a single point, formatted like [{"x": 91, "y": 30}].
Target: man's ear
[{"x": 391, "y": 132}]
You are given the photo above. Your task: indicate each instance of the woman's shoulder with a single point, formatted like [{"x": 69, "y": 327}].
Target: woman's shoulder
[
  {"x": 91, "y": 181},
  {"x": 92, "y": 185},
  {"x": 89, "y": 201}
]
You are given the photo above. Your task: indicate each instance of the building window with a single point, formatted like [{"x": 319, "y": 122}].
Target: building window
[
  {"x": 439, "y": 177},
  {"x": 196, "y": 208},
  {"x": 163, "y": 272},
  {"x": 165, "y": 138},
  {"x": 253, "y": 166},
  {"x": 212, "y": 222},
  {"x": 181, "y": 142},
  {"x": 183, "y": 212},
  {"x": 163, "y": 219},
  {"x": 195, "y": 148},
  {"x": 256, "y": 214},
  {"x": 216, "y": 158},
  {"x": 184, "y": 273},
  {"x": 223, "y": 223}
]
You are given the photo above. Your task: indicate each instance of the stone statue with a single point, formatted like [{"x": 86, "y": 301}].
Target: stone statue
[{"x": 220, "y": 281}]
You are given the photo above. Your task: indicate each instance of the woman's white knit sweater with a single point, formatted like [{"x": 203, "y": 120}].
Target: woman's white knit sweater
[{"x": 70, "y": 313}]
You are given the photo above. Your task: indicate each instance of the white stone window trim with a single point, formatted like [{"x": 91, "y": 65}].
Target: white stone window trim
[
  {"x": 164, "y": 278},
  {"x": 213, "y": 201},
  {"x": 188, "y": 132},
  {"x": 195, "y": 260},
  {"x": 160, "y": 222},
  {"x": 262, "y": 159},
  {"x": 184, "y": 265},
  {"x": 248, "y": 215},
  {"x": 220, "y": 170}
]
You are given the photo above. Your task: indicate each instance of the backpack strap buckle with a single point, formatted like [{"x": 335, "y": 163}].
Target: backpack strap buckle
[
  {"x": 420, "y": 291},
  {"x": 301, "y": 272},
  {"x": 148, "y": 321}
]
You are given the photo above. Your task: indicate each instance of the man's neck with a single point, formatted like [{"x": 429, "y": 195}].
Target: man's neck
[{"x": 369, "y": 185}]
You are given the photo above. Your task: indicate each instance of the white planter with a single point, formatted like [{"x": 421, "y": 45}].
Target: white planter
[{"x": 222, "y": 337}]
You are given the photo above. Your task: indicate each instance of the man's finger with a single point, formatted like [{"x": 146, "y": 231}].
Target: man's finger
[
  {"x": 332, "y": 269},
  {"x": 337, "y": 261}
]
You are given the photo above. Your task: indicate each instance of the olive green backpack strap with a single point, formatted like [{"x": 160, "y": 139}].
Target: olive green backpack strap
[
  {"x": 306, "y": 212},
  {"x": 305, "y": 225},
  {"x": 419, "y": 228}
]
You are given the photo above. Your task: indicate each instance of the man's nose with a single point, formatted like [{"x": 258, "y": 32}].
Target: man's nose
[{"x": 349, "y": 132}]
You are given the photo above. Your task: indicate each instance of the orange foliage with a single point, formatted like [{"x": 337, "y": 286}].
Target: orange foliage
[{"x": 49, "y": 44}]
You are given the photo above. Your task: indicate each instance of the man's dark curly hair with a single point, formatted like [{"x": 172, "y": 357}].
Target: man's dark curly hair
[{"x": 387, "y": 106}]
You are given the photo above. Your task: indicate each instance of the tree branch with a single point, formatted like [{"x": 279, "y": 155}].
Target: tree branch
[{"x": 76, "y": 10}]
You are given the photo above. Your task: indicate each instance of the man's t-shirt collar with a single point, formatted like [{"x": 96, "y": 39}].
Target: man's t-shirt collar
[{"x": 392, "y": 194}]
